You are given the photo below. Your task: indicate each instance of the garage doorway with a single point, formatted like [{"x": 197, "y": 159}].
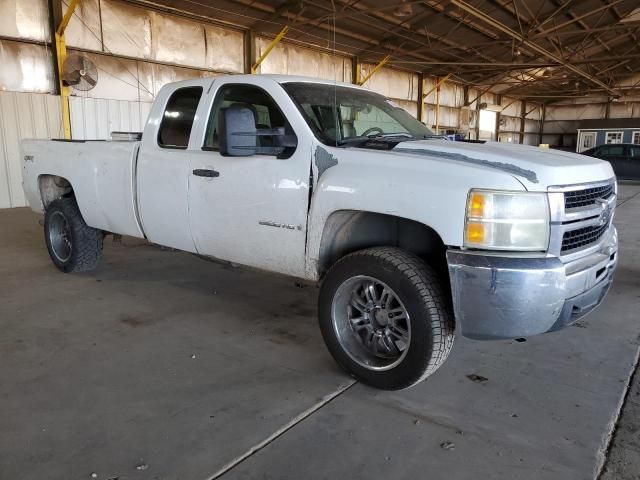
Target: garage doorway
[{"x": 487, "y": 125}]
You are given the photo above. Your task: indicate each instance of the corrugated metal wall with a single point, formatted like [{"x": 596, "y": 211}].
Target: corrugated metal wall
[
  {"x": 96, "y": 118},
  {"x": 22, "y": 115},
  {"x": 294, "y": 60},
  {"x": 34, "y": 115}
]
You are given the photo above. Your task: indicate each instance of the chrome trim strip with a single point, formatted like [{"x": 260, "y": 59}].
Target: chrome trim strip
[{"x": 580, "y": 186}]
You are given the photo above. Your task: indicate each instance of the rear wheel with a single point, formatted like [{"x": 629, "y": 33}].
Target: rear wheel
[
  {"x": 385, "y": 318},
  {"x": 73, "y": 246}
]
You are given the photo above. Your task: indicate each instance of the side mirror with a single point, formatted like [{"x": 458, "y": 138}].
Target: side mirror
[
  {"x": 238, "y": 135},
  {"x": 237, "y": 132}
]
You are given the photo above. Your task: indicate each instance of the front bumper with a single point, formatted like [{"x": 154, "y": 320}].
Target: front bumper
[{"x": 498, "y": 297}]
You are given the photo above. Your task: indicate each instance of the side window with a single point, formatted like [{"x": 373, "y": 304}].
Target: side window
[
  {"x": 177, "y": 120},
  {"x": 266, "y": 112},
  {"x": 617, "y": 150},
  {"x": 635, "y": 152}
]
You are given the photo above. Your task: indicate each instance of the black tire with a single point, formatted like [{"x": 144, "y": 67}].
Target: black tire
[
  {"x": 420, "y": 291},
  {"x": 81, "y": 246}
]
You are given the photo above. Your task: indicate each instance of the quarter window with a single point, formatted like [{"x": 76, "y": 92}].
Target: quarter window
[
  {"x": 613, "y": 137},
  {"x": 177, "y": 121}
]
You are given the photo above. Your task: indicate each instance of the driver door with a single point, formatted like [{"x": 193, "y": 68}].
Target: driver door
[{"x": 251, "y": 210}]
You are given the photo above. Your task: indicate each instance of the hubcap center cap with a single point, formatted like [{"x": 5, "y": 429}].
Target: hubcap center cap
[{"x": 380, "y": 317}]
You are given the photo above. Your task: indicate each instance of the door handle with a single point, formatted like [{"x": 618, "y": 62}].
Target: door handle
[{"x": 201, "y": 172}]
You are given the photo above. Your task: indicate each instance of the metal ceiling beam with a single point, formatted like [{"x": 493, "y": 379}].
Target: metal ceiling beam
[
  {"x": 577, "y": 18},
  {"x": 343, "y": 14},
  {"x": 290, "y": 17},
  {"x": 287, "y": 6},
  {"x": 554, "y": 14},
  {"x": 515, "y": 66},
  {"x": 531, "y": 45},
  {"x": 597, "y": 39},
  {"x": 609, "y": 28},
  {"x": 400, "y": 29},
  {"x": 505, "y": 5},
  {"x": 411, "y": 34},
  {"x": 391, "y": 33},
  {"x": 559, "y": 46}
]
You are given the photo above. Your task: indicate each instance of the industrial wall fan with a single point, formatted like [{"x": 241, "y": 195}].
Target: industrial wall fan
[{"x": 80, "y": 73}]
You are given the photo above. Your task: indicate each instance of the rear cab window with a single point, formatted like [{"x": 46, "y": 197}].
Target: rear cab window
[{"x": 177, "y": 120}]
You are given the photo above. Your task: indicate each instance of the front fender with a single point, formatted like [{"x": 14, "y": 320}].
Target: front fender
[{"x": 429, "y": 191}]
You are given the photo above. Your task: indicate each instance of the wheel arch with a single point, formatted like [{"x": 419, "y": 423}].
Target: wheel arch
[
  {"x": 52, "y": 187},
  {"x": 346, "y": 231}
]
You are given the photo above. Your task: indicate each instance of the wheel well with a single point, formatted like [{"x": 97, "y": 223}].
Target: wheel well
[
  {"x": 347, "y": 231},
  {"x": 53, "y": 187}
]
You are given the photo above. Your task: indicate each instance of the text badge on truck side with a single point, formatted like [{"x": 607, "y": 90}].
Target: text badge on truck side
[{"x": 411, "y": 236}]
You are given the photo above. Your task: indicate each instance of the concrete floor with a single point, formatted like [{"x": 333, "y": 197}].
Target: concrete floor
[{"x": 160, "y": 365}]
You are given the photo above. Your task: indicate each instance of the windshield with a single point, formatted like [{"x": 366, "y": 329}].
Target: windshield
[{"x": 337, "y": 114}]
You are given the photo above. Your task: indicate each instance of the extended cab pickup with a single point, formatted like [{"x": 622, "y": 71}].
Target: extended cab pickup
[{"x": 411, "y": 236}]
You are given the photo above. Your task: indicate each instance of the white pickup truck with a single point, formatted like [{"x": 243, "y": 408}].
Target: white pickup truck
[{"x": 412, "y": 236}]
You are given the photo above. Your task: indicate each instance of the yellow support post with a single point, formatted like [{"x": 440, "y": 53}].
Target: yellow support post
[
  {"x": 61, "y": 52},
  {"x": 67, "y": 16},
  {"x": 374, "y": 70},
  {"x": 421, "y": 99},
  {"x": 64, "y": 90},
  {"x": 436, "y": 87},
  {"x": 274, "y": 42},
  {"x": 438, "y": 109}
]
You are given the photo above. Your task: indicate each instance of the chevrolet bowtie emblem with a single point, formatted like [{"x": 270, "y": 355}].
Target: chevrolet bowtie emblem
[{"x": 605, "y": 214}]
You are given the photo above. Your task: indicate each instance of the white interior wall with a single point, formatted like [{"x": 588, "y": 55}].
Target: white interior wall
[
  {"x": 149, "y": 35},
  {"x": 290, "y": 59},
  {"x": 26, "y": 67},
  {"x": 22, "y": 115},
  {"x": 27, "y": 19},
  {"x": 97, "y": 118}
]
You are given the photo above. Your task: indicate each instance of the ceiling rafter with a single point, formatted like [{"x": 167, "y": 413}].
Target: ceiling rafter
[
  {"x": 481, "y": 15},
  {"x": 555, "y": 43}
]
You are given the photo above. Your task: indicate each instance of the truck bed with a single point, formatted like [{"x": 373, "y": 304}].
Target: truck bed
[{"x": 101, "y": 173}]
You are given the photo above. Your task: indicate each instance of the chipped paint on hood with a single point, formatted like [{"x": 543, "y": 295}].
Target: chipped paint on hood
[
  {"x": 537, "y": 168},
  {"x": 505, "y": 167}
]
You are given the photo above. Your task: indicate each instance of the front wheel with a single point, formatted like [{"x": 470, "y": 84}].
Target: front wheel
[
  {"x": 384, "y": 317},
  {"x": 73, "y": 245}
]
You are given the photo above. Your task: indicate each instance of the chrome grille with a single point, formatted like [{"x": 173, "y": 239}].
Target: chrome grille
[
  {"x": 582, "y": 237},
  {"x": 580, "y": 217},
  {"x": 586, "y": 197}
]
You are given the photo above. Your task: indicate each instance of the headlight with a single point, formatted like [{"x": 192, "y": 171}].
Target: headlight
[{"x": 507, "y": 221}]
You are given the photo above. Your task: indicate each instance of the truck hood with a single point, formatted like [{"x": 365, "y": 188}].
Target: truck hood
[{"x": 534, "y": 167}]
